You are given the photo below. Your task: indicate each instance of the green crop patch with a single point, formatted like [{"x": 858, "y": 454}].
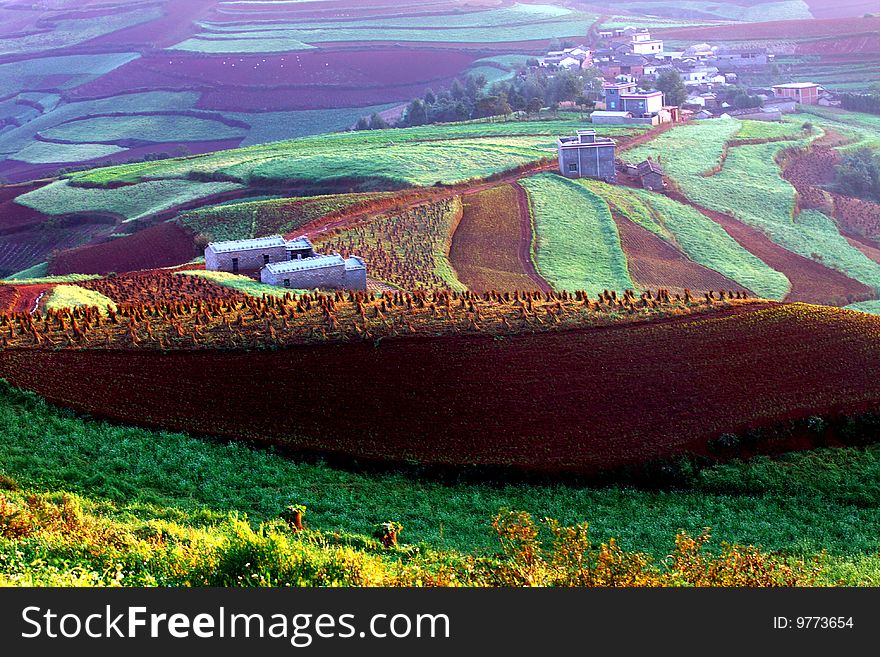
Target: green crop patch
[
  {"x": 577, "y": 243},
  {"x": 129, "y": 202},
  {"x": 156, "y": 128}
]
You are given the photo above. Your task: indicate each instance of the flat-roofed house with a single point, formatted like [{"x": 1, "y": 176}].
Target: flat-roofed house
[
  {"x": 319, "y": 271},
  {"x": 587, "y": 156},
  {"x": 245, "y": 255},
  {"x": 805, "y": 93}
]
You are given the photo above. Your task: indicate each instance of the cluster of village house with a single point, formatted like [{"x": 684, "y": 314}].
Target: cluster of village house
[
  {"x": 287, "y": 263},
  {"x": 629, "y": 55}
]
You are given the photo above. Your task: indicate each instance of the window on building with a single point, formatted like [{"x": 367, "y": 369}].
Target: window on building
[
  {"x": 235, "y": 265},
  {"x": 572, "y": 167},
  {"x": 265, "y": 258},
  {"x": 286, "y": 282}
]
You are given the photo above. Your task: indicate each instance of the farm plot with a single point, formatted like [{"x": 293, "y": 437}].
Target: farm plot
[
  {"x": 129, "y": 202},
  {"x": 703, "y": 241},
  {"x": 750, "y": 188},
  {"x": 654, "y": 263},
  {"x": 63, "y": 72},
  {"x": 158, "y": 287},
  {"x": 242, "y": 284},
  {"x": 153, "y": 128},
  {"x": 164, "y": 245},
  {"x": 674, "y": 362},
  {"x": 706, "y": 243},
  {"x": 73, "y": 296},
  {"x": 267, "y": 217},
  {"x": 577, "y": 245},
  {"x": 407, "y": 249},
  {"x": 491, "y": 248},
  {"x": 416, "y": 150},
  {"x": 42, "y": 152},
  {"x": 506, "y": 24},
  {"x": 690, "y": 149}
]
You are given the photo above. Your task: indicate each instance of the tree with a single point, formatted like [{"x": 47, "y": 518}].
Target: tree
[
  {"x": 674, "y": 91},
  {"x": 430, "y": 98},
  {"x": 534, "y": 105},
  {"x": 416, "y": 113},
  {"x": 456, "y": 90},
  {"x": 377, "y": 122},
  {"x": 858, "y": 174},
  {"x": 362, "y": 124}
]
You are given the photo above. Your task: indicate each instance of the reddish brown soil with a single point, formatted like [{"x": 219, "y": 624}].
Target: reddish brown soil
[
  {"x": 491, "y": 247},
  {"x": 163, "y": 245},
  {"x": 158, "y": 287},
  {"x": 841, "y": 8},
  {"x": 810, "y": 281},
  {"x": 870, "y": 249},
  {"x": 28, "y": 295},
  {"x": 775, "y": 29},
  {"x": 573, "y": 401},
  {"x": 8, "y": 298},
  {"x": 654, "y": 263}
]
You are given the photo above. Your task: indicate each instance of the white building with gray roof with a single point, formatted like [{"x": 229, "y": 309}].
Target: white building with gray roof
[{"x": 287, "y": 263}]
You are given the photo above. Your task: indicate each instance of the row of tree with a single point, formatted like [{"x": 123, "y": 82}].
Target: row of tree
[{"x": 869, "y": 102}]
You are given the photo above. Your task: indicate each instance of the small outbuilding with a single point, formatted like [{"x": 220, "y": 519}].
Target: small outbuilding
[
  {"x": 331, "y": 272},
  {"x": 650, "y": 175}
]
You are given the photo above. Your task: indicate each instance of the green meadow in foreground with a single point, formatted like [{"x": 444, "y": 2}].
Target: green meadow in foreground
[{"x": 163, "y": 487}]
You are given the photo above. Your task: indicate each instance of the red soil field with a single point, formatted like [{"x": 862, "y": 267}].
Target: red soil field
[
  {"x": 342, "y": 9},
  {"x": 13, "y": 216},
  {"x": 8, "y": 298},
  {"x": 29, "y": 296},
  {"x": 775, "y": 30},
  {"x": 663, "y": 389},
  {"x": 868, "y": 248},
  {"x": 654, "y": 263},
  {"x": 24, "y": 248},
  {"x": 864, "y": 44},
  {"x": 491, "y": 247},
  {"x": 841, "y": 8},
  {"x": 164, "y": 245},
  {"x": 288, "y": 81},
  {"x": 157, "y": 287},
  {"x": 810, "y": 281}
]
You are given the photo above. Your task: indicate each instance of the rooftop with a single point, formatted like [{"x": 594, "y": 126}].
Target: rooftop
[
  {"x": 315, "y": 262},
  {"x": 795, "y": 85},
  {"x": 299, "y": 243},
  {"x": 247, "y": 245}
]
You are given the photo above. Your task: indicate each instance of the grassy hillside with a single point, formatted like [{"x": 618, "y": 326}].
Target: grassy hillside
[{"x": 420, "y": 155}]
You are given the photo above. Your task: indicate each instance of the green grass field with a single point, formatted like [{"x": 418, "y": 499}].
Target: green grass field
[
  {"x": 700, "y": 238},
  {"x": 182, "y": 488},
  {"x": 129, "y": 202},
  {"x": 156, "y": 128},
  {"x": 577, "y": 246},
  {"x": 42, "y": 152},
  {"x": 421, "y": 155},
  {"x": 750, "y": 187},
  {"x": 72, "y": 296}
]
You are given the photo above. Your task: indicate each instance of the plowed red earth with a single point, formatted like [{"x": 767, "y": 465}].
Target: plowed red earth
[
  {"x": 164, "y": 245},
  {"x": 492, "y": 245},
  {"x": 575, "y": 401},
  {"x": 775, "y": 30},
  {"x": 654, "y": 263},
  {"x": 810, "y": 281},
  {"x": 869, "y": 249}
]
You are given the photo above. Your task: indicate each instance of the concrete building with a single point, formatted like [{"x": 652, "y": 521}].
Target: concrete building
[
  {"x": 805, "y": 93},
  {"x": 624, "y": 97},
  {"x": 650, "y": 174},
  {"x": 331, "y": 272},
  {"x": 287, "y": 263},
  {"x": 587, "y": 156},
  {"x": 643, "y": 44},
  {"x": 742, "y": 58}
]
